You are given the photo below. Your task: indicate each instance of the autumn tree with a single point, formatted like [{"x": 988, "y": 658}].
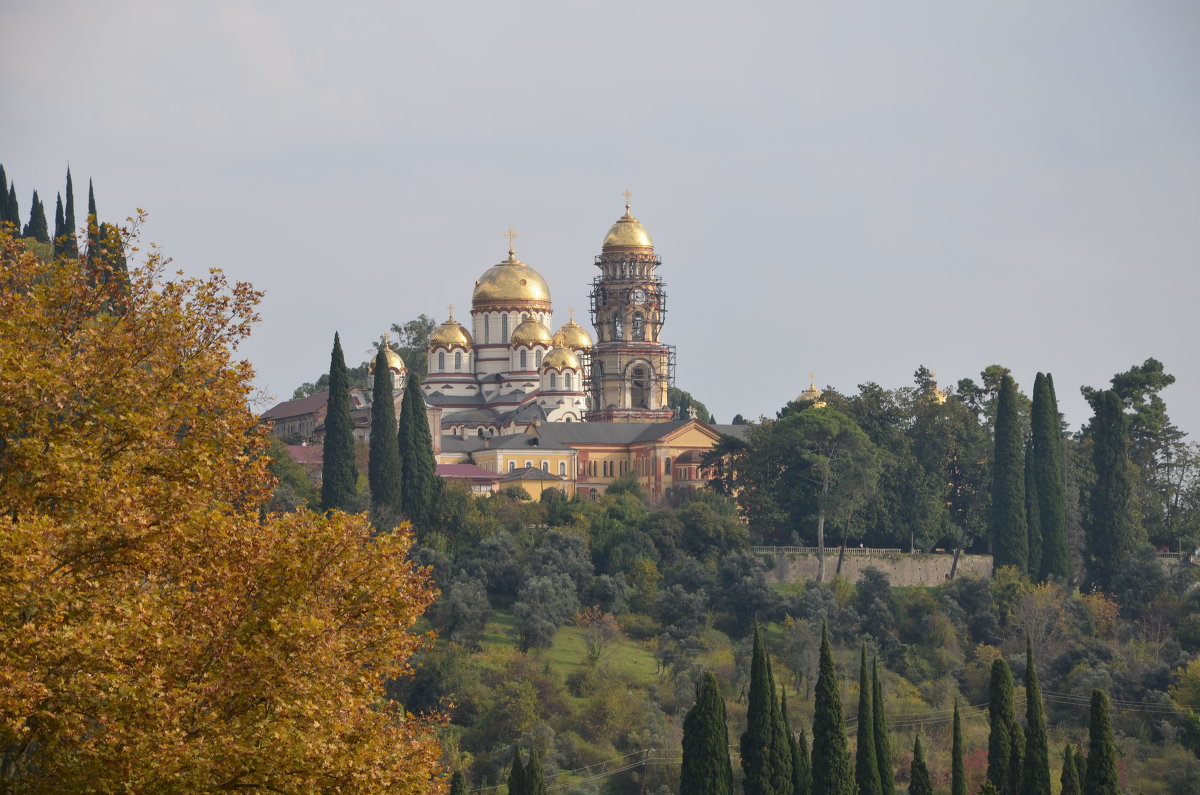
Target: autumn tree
[{"x": 160, "y": 632}]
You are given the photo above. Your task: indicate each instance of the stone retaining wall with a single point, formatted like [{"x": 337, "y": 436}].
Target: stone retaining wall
[{"x": 901, "y": 568}]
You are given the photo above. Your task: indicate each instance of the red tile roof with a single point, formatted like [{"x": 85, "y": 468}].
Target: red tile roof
[{"x": 297, "y": 408}]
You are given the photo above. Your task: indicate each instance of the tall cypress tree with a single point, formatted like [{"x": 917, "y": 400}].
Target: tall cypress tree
[
  {"x": 757, "y": 739},
  {"x": 1047, "y": 452},
  {"x": 60, "y": 229},
  {"x": 93, "y": 227},
  {"x": 1006, "y": 522},
  {"x": 919, "y": 780},
  {"x": 883, "y": 743},
  {"x": 706, "y": 768},
  {"x": 834, "y": 775},
  {"x": 72, "y": 249},
  {"x": 1111, "y": 529},
  {"x": 3, "y": 194},
  {"x": 418, "y": 468},
  {"x": 1102, "y": 750},
  {"x": 1001, "y": 720},
  {"x": 1016, "y": 758},
  {"x": 458, "y": 783},
  {"x": 518, "y": 783},
  {"x": 866, "y": 766},
  {"x": 1035, "y": 774},
  {"x": 1033, "y": 519},
  {"x": 781, "y": 749},
  {"x": 383, "y": 462},
  {"x": 339, "y": 475},
  {"x": 1070, "y": 773},
  {"x": 801, "y": 766},
  {"x": 12, "y": 210},
  {"x": 958, "y": 767},
  {"x": 535, "y": 774},
  {"x": 37, "y": 227}
]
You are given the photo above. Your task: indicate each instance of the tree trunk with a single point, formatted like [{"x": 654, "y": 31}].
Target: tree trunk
[
  {"x": 841, "y": 553},
  {"x": 962, "y": 537},
  {"x": 821, "y": 545}
]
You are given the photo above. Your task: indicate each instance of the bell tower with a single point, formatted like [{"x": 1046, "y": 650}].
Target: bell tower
[{"x": 630, "y": 370}]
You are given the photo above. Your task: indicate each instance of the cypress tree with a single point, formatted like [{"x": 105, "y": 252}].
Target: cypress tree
[
  {"x": 1035, "y": 775},
  {"x": 1006, "y": 522},
  {"x": 919, "y": 781},
  {"x": 3, "y": 194},
  {"x": 706, "y": 769},
  {"x": 834, "y": 775},
  {"x": 757, "y": 739},
  {"x": 1080, "y": 766},
  {"x": 1033, "y": 519},
  {"x": 1110, "y": 528},
  {"x": 339, "y": 480},
  {"x": 958, "y": 767},
  {"x": 458, "y": 783},
  {"x": 1070, "y": 773},
  {"x": 383, "y": 462},
  {"x": 418, "y": 468},
  {"x": 883, "y": 743},
  {"x": 1016, "y": 758},
  {"x": 92, "y": 202},
  {"x": 1047, "y": 452},
  {"x": 518, "y": 782},
  {"x": 535, "y": 774},
  {"x": 1102, "y": 750},
  {"x": 1001, "y": 721},
  {"x": 781, "y": 749},
  {"x": 60, "y": 229},
  {"x": 988, "y": 788},
  {"x": 72, "y": 249},
  {"x": 12, "y": 210},
  {"x": 866, "y": 766},
  {"x": 801, "y": 766},
  {"x": 37, "y": 227},
  {"x": 93, "y": 227}
]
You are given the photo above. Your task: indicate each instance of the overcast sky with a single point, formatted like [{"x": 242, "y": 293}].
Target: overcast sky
[{"x": 849, "y": 189}]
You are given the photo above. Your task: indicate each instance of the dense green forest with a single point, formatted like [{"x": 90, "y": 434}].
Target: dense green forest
[{"x": 583, "y": 631}]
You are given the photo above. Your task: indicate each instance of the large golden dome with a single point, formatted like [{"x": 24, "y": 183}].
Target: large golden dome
[
  {"x": 393, "y": 359},
  {"x": 531, "y": 332},
  {"x": 511, "y": 283},
  {"x": 628, "y": 232},
  {"x": 559, "y": 358},
  {"x": 573, "y": 337},
  {"x": 450, "y": 334}
]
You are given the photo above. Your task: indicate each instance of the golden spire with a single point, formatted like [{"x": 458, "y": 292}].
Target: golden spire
[
  {"x": 627, "y": 196},
  {"x": 511, "y": 234},
  {"x": 571, "y": 315},
  {"x": 450, "y": 309}
]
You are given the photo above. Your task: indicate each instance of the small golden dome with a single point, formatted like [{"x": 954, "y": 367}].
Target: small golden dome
[
  {"x": 450, "y": 334},
  {"x": 511, "y": 282},
  {"x": 559, "y": 358},
  {"x": 531, "y": 332},
  {"x": 812, "y": 394},
  {"x": 393, "y": 359},
  {"x": 627, "y": 232},
  {"x": 572, "y": 336}
]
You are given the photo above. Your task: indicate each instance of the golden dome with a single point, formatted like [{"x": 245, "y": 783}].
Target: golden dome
[
  {"x": 531, "y": 332},
  {"x": 812, "y": 394},
  {"x": 627, "y": 232},
  {"x": 511, "y": 282},
  {"x": 559, "y": 358},
  {"x": 450, "y": 334},
  {"x": 572, "y": 336},
  {"x": 394, "y": 362}
]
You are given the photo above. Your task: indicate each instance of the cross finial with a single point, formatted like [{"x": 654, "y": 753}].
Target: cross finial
[
  {"x": 627, "y": 196},
  {"x": 450, "y": 308},
  {"x": 384, "y": 338},
  {"x": 511, "y": 234},
  {"x": 812, "y": 380},
  {"x": 572, "y": 312}
]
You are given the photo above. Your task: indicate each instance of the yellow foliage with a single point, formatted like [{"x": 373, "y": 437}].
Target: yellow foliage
[
  {"x": 1186, "y": 690},
  {"x": 155, "y": 633}
]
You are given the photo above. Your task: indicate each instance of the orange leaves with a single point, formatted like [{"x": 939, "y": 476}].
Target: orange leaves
[{"x": 156, "y": 633}]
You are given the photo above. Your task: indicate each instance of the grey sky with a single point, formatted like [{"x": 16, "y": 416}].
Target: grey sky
[{"x": 840, "y": 188}]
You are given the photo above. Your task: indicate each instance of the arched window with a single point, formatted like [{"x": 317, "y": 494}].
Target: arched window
[
  {"x": 667, "y": 466},
  {"x": 553, "y": 381},
  {"x": 441, "y": 361},
  {"x": 512, "y": 465},
  {"x": 487, "y": 328},
  {"x": 458, "y": 360},
  {"x": 639, "y": 392},
  {"x": 562, "y": 468},
  {"x": 537, "y": 359},
  {"x": 639, "y": 327},
  {"x": 524, "y": 359},
  {"x": 567, "y": 379},
  {"x": 545, "y": 466},
  {"x": 504, "y": 327},
  {"x": 618, "y": 328}
]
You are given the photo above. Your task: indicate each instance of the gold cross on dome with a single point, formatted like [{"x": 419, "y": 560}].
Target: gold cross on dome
[
  {"x": 384, "y": 338},
  {"x": 572, "y": 311},
  {"x": 511, "y": 234},
  {"x": 627, "y": 196},
  {"x": 812, "y": 380},
  {"x": 450, "y": 308}
]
